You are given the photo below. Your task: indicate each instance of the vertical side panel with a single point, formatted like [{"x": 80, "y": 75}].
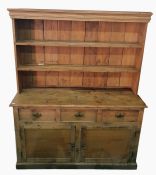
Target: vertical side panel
[
  {"x": 140, "y": 118},
  {"x": 139, "y": 56},
  {"x": 17, "y": 132},
  {"x": 17, "y": 29},
  {"x": 19, "y": 81}
]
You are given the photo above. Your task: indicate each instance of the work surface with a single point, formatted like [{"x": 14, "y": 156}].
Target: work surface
[{"x": 77, "y": 98}]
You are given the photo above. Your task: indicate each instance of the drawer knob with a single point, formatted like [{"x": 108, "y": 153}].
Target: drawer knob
[
  {"x": 79, "y": 115},
  {"x": 83, "y": 146},
  {"x": 36, "y": 115},
  {"x": 119, "y": 115}
]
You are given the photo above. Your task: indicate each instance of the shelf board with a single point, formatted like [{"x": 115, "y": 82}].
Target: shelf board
[
  {"x": 80, "y": 68},
  {"x": 78, "y": 44}
]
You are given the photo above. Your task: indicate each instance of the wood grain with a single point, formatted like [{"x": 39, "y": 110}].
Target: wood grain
[
  {"x": 78, "y": 98},
  {"x": 77, "y": 76},
  {"x": 81, "y": 15}
]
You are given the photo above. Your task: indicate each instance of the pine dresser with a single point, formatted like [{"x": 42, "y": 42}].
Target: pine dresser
[{"x": 77, "y": 78}]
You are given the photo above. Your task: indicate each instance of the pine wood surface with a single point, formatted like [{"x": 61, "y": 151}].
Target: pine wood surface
[
  {"x": 78, "y": 68},
  {"x": 77, "y": 78},
  {"x": 60, "y": 53},
  {"x": 83, "y": 98},
  {"x": 77, "y": 15}
]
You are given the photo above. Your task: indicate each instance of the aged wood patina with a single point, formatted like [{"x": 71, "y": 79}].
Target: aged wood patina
[{"x": 77, "y": 77}]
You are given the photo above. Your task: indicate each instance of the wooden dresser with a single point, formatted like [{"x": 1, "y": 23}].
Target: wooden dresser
[{"x": 77, "y": 77}]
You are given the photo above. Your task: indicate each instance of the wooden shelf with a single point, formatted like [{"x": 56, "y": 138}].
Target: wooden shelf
[
  {"x": 81, "y": 68},
  {"x": 78, "y": 44}
]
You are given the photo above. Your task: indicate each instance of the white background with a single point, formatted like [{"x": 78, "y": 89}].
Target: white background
[{"x": 147, "y": 89}]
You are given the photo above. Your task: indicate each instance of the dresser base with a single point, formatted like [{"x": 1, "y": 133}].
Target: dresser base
[{"x": 75, "y": 166}]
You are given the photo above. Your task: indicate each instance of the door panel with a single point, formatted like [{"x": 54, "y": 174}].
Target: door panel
[
  {"x": 48, "y": 143},
  {"x": 105, "y": 144}
]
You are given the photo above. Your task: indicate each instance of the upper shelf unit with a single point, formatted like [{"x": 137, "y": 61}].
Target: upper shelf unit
[{"x": 62, "y": 48}]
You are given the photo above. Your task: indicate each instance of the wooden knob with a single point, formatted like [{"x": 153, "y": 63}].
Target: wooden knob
[
  {"x": 119, "y": 115},
  {"x": 79, "y": 115},
  {"x": 36, "y": 115}
]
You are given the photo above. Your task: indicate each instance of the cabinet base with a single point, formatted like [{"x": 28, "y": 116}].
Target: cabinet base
[{"x": 75, "y": 166}]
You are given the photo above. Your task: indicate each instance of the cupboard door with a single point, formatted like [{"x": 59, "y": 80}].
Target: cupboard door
[
  {"x": 106, "y": 144},
  {"x": 48, "y": 142}
]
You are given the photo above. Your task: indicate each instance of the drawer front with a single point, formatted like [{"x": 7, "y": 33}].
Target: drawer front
[
  {"x": 78, "y": 115},
  {"x": 119, "y": 116},
  {"x": 37, "y": 114}
]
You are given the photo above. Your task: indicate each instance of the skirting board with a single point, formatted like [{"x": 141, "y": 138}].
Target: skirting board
[{"x": 75, "y": 166}]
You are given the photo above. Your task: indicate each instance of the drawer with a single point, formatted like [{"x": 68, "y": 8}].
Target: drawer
[
  {"x": 37, "y": 114},
  {"x": 119, "y": 116},
  {"x": 78, "y": 115}
]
